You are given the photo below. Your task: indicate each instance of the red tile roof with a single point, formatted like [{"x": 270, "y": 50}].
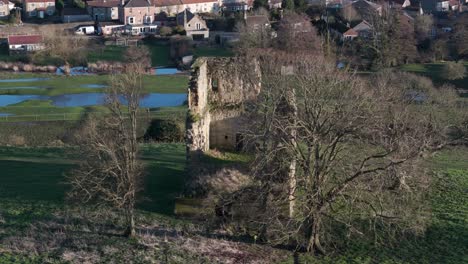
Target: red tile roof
[
  {"x": 351, "y": 32},
  {"x": 24, "y": 39},
  {"x": 187, "y": 2},
  {"x": 166, "y": 2},
  {"x": 103, "y": 3},
  {"x": 5, "y": 2},
  {"x": 180, "y": 2}
]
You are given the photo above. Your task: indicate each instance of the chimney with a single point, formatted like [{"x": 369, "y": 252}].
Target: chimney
[{"x": 122, "y": 2}]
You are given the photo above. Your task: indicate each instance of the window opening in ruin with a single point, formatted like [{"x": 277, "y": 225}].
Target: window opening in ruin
[{"x": 214, "y": 85}]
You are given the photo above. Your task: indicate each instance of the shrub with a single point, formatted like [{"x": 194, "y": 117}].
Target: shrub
[
  {"x": 165, "y": 131},
  {"x": 454, "y": 70},
  {"x": 165, "y": 31},
  {"x": 179, "y": 30}
]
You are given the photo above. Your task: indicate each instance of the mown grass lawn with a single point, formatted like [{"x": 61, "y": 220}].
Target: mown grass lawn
[{"x": 435, "y": 72}]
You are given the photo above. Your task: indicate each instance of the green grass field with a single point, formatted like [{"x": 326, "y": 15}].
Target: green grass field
[
  {"x": 57, "y": 85},
  {"x": 36, "y": 175},
  {"x": 434, "y": 71},
  {"x": 159, "y": 54},
  {"x": 33, "y": 191},
  {"x": 446, "y": 238},
  {"x": 41, "y": 110}
]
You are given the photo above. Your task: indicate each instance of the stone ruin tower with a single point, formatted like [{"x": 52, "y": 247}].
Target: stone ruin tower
[{"x": 218, "y": 91}]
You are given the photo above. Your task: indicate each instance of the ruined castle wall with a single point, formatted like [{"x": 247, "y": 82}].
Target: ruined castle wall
[
  {"x": 198, "y": 123},
  {"x": 218, "y": 91}
]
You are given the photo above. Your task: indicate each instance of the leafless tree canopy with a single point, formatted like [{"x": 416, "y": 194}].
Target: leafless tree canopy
[
  {"x": 64, "y": 46},
  {"x": 336, "y": 152},
  {"x": 110, "y": 173},
  {"x": 296, "y": 33}
]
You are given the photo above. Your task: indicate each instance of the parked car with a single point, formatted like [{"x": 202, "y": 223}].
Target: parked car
[{"x": 85, "y": 30}]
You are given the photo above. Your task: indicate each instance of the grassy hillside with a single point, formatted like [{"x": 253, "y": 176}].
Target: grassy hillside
[
  {"x": 446, "y": 238},
  {"x": 37, "y": 225}
]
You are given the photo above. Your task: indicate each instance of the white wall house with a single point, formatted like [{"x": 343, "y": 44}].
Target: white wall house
[
  {"x": 25, "y": 43},
  {"x": 173, "y": 7},
  {"x": 38, "y": 8},
  {"x": 5, "y": 7}
]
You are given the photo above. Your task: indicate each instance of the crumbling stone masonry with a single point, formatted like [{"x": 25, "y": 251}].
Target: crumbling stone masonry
[{"x": 219, "y": 89}]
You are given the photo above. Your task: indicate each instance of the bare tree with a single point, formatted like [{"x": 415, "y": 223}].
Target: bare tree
[
  {"x": 454, "y": 70},
  {"x": 422, "y": 26},
  {"x": 109, "y": 172},
  {"x": 357, "y": 148},
  {"x": 296, "y": 33},
  {"x": 251, "y": 37},
  {"x": 65, "y": 47}
]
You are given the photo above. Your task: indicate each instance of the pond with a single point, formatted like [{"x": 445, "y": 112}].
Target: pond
[
  {"x": 88, "y": 99},
  {"x": 5, "y": 114},
  {"x": 92, "y": 85},
  {"x": 165, "y": 71}
]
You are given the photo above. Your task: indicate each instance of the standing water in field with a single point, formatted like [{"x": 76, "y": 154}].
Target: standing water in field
[
  {"x": 93, "y": 86},
  {"x": 165, "y": 71},
  {"x": 73, "y": 71},
  {"x": 87, "y": 99}
]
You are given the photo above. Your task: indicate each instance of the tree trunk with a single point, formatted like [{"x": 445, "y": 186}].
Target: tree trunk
[
  {"x": 313, "y": 236},
  {"x": 292, "y": 167},
  {"x": 130, "y": 231}
]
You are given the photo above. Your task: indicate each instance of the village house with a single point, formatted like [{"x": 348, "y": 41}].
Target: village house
[
  {"x": 5, "y": 7},
  {"x": 237, "y": 5},
  {"x": 25, "y": 43},
  {"x": 138, "y": 16},
  {"x": 193, "y": 24},
  {"x": 38, "y": 8},
  {"x": 137, "y": 12},
  {"x": 272, "y": 4},
  {"x": 361, "y": 10},
  {"x": 363, "y": 30},
  {"x": 103, "y": 10},
  {"x": 173, "y": 7},
  {"x": 70, "y": 15}
]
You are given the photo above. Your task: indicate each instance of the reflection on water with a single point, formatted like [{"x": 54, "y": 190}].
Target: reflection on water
[
  {"x": 92, "y": 85},
  {"x": 5, "y": 114},
  {"x": 165, "y": 71},
  {"x": 88, "y": 99},
  {"x": 7, "y": 99}
]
